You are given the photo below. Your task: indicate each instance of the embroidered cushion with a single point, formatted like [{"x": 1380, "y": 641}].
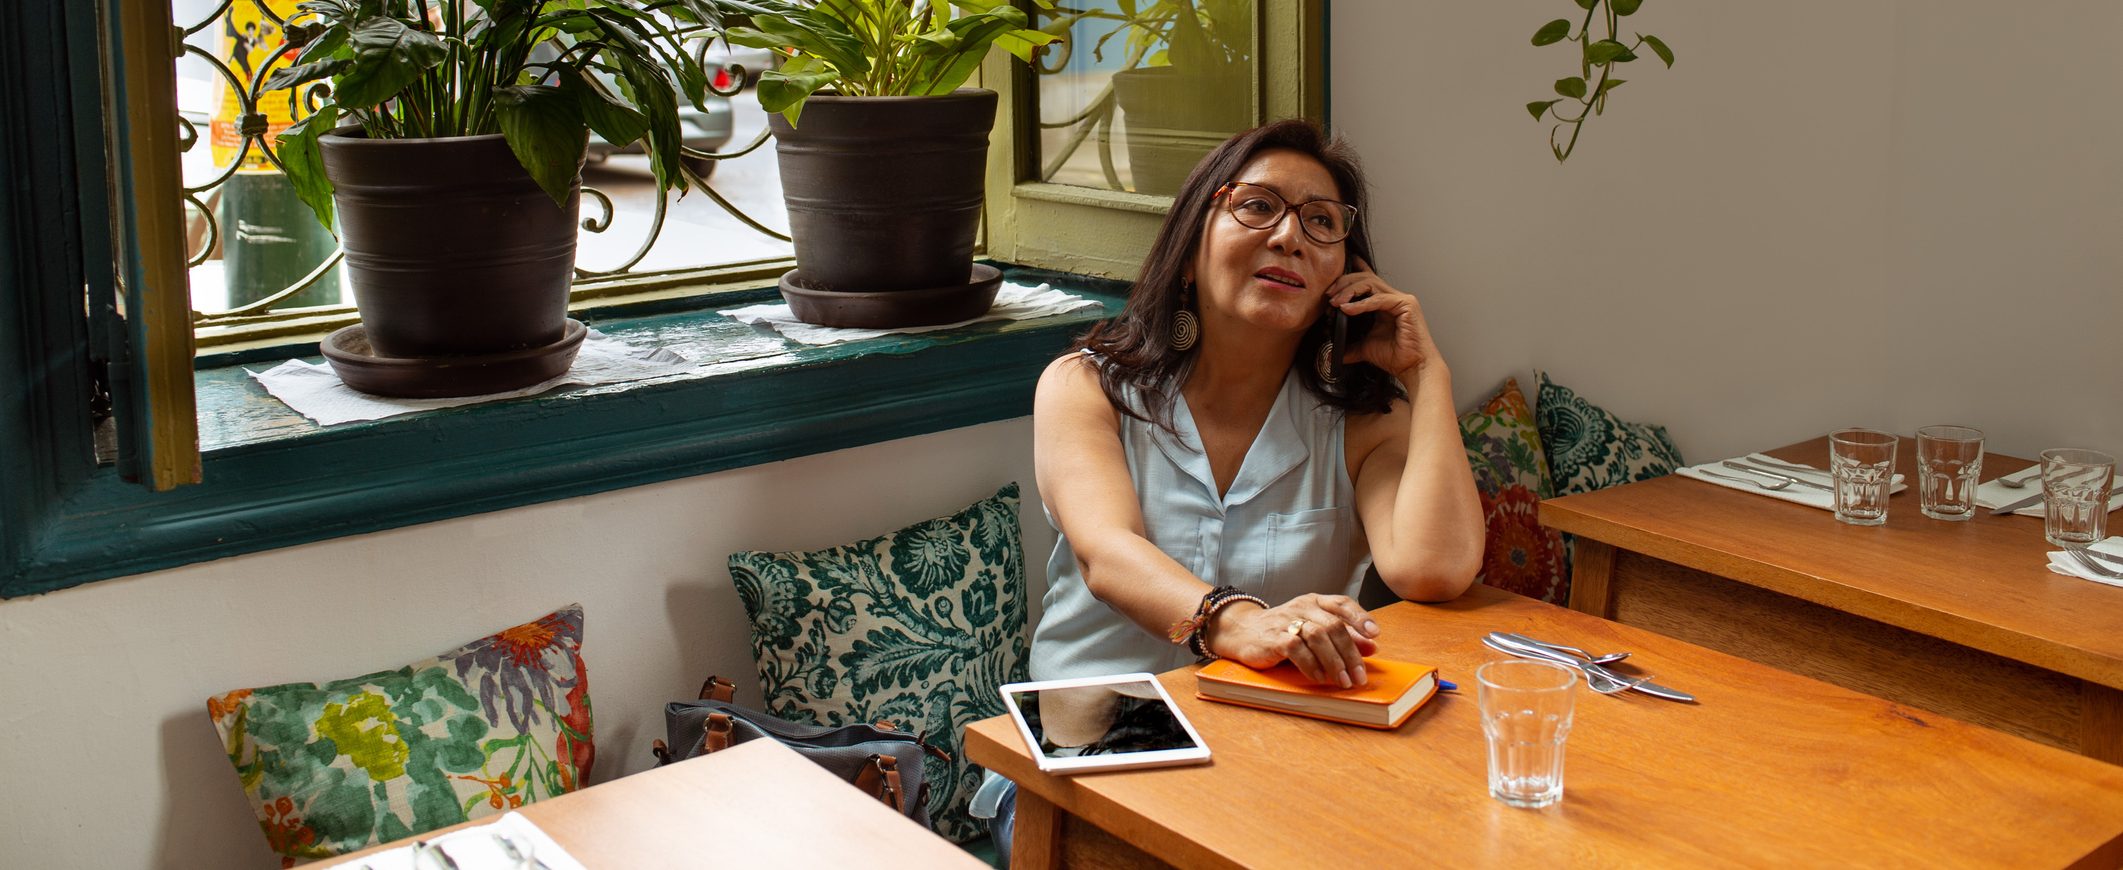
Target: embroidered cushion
[
  {"x": 1511, "y": 473},
  {"x": 337, "y": 767},
  {"x": 1589, "y": 448},
  {"x": 919, "y": 628}
]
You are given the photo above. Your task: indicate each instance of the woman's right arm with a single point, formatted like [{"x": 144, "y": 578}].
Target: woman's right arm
[{"x": 1083, "y": 479}]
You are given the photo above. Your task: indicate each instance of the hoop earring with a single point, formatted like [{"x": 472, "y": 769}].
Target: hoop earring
[
  {"x": 1325, "y": 364},
  {"x": 1185, "y": 329}
]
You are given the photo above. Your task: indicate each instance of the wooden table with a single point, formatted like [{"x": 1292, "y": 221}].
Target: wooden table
[
  {"x": 1769, "y": 768},
  {"x": 756, "y": 804},
  {"x": 1959, "y": 618}
]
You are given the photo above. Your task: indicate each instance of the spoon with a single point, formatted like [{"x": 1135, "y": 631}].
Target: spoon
[
  {"x": 1607, "y": 659},
  {"x": 1598, "y": 681}
]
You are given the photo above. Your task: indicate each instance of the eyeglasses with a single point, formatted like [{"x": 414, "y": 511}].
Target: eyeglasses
[{"x": 1252, "y": 205}]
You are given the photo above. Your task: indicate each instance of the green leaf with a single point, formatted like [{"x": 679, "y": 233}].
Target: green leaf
[
  {"x": 1658, "y": 47},
  {"x": 546, "y": 131},
  {"x": 1587, "y": 4},
  {"x": 388, "y": 56},
  {"x": 1611, "y": 84},
  {"x": 784, "y": 90},
  {"x": 619, "y": 123},
  {"x": 1572, "y": 87},
  {"x": 1605, "y": 50},
  {"x": 1540, "y": 107},
  {"x": 1022, "y": 43},
  {"x": 297, "y": 149},
  {"x": 1552, "y": 32},
  {"x": 291, "y": 76},
  {"x": 1625, "y": 7}
]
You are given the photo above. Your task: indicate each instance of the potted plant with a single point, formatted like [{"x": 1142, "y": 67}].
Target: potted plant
[
  {"x": 1186, "y": 84},
  {"x": 883, "y": 154},
  {"x": 452, "y": 143}
]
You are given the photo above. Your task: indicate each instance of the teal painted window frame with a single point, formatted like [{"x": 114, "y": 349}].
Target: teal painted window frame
[
  {"x": 346, "y": 480},
  {"x": 65, "y": 520}
]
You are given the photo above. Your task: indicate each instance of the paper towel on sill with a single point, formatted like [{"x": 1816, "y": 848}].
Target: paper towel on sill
[
  {"x": 315, "y": 391},
  {"x": 1012, "y": 302}
]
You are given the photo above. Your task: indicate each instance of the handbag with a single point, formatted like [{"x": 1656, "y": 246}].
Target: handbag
[{"x": 883, "y": 762}]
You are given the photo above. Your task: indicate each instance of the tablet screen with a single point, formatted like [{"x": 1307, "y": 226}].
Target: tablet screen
[{"x": 1105, "y": 719}]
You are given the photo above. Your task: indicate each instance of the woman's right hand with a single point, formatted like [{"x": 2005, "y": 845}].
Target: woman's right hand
[{"x": 1325, "y": 636}]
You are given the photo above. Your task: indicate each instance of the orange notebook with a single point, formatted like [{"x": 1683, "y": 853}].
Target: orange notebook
[{"x": 1393, "y": 691}]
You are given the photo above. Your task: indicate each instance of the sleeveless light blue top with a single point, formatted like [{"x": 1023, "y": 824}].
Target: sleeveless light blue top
[{"x": 1287, "y": 526}]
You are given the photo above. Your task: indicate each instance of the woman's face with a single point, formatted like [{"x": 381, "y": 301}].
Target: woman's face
[{"x": 1274, "y": 277}]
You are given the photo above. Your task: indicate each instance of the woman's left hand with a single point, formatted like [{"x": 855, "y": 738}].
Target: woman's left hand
[{"x": 1399, "y": 342}]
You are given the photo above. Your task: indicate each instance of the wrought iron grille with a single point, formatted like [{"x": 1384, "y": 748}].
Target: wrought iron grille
[{"x": 197, "y": 40}]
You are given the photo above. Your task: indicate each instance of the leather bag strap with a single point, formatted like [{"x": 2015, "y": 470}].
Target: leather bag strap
[
  {"x": 718, "y": 689},
  {"x": 716, "y": 736},
  {"x": 880, "y": 779}
]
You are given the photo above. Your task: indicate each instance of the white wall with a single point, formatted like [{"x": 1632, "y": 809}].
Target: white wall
[
  {"x": 1826, "y": 214},
  {"x": 109, "y": 760}
]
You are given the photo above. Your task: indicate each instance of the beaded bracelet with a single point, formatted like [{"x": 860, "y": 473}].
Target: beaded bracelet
[{"x": 1189, "y": 632}]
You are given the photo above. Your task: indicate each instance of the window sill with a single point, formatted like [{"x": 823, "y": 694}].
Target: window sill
[{"x": 274, "y": 479}]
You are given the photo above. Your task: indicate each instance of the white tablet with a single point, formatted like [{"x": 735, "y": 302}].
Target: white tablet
[{"x": 1102, "y": 723}]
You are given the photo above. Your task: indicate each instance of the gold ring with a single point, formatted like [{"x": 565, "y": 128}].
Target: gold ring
[{"x": 1297, "y": 627}]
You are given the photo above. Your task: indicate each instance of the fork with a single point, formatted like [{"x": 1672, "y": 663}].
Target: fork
[
  {"x": 2078, "y": 555},
  {"x": 1765, "y": 484}
]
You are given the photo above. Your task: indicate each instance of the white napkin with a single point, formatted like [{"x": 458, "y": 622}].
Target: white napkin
[
  {"x": 474, "y": 848},
  {"x": 1798, "y": 493},
  {"x": 2062, "y": 564},
  {"x": 315, "y": 391},
  {"x": 1993, "y": 494},
  {"x": 1012, "y": 302}
]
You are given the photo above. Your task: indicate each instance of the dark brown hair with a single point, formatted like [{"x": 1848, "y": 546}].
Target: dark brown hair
[{"x": 1136, "y": 344}]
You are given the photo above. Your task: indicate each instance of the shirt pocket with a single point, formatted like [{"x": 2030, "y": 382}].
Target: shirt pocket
[{"x": 1308, "y": 551}]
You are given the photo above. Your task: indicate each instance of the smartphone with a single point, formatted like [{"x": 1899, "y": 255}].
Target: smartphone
[{"x": 1347, "y": 332}]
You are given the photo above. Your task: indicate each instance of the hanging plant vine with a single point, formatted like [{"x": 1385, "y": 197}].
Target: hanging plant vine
[{"x": 1589, "y": 96}]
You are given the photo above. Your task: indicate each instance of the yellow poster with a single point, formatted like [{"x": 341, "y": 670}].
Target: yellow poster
[{"x": 249, "y": 39}]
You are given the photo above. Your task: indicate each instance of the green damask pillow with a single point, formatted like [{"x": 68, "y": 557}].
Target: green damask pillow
[
  {"x": 1590, "y": 449},
  {"x": 919, "y": 628},
  {"x": 337, "y": 767},
  {"x": 1511, "y": 475}
]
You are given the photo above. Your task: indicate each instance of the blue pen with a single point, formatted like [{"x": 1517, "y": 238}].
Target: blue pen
[{"x": 1447, "y": 686}]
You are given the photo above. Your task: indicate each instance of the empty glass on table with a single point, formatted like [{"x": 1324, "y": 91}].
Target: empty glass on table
[
  {"x": 1949, "y": 458},
  {"x": 1861, "y": 461},
  {"x": 2075, "y": 495},
  {"x": 1526, "y": 713}
]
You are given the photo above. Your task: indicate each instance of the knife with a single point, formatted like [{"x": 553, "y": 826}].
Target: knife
[
  {"x": 2027, "y": 502},
  {"x": 2036, "y": 499},
  {"x": 1742, "y": 466},
  {"x": 1649, "y": 688}
]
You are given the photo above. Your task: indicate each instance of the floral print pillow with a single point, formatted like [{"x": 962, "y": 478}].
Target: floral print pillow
[
  {"x": 337, "y": 767},
  {"x": 1511, "y": 474},
  {"x": 919, "y": 628},
  {"x": 1590, "y": 449}
]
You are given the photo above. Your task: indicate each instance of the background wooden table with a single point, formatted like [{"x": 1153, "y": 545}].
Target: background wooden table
[
  {"x": 756, "y": 804},
  {"x": 1769, "y": 768},
  {"x": 1959, "y": 618}
]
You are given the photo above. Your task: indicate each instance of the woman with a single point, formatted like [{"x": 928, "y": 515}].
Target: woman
[{"x": 1220, "y": 472}]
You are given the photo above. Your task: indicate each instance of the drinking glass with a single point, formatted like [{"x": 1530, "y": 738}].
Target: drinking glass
[
  {"x": 2075, "y": 495},
  {"x": 1862, "y": 463},
  {"x": 1948, "y": 460},
  {"x": 1526, "y": 707}
]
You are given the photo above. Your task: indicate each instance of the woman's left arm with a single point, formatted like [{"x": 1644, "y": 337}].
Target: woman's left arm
[{"x": 1414, "y": 491}]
